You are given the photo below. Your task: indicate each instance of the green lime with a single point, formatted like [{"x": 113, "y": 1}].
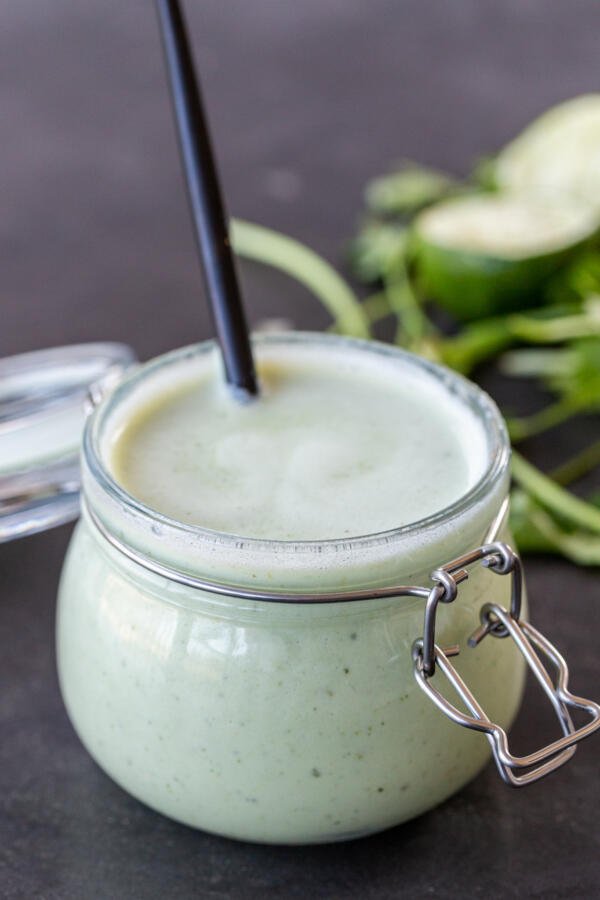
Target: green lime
[
  {"x": 489, "y": 253},
  {"x": 557, "y": 155}
]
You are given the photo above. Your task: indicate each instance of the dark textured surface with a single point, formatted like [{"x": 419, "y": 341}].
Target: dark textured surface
[{"x": 307, "y": 100}]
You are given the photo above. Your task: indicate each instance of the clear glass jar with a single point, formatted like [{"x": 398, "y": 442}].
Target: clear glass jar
[{"x": 268, "y": 721}]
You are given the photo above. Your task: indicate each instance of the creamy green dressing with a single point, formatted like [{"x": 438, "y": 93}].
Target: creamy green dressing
[
  {"x": 324, "y": 452},
  {"x": 287, "y": 723}
]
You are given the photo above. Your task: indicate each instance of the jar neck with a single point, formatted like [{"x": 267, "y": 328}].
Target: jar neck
[{"x": 301, "y": 569}]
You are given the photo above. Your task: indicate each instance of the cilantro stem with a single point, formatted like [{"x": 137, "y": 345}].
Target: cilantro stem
[
  {"x": 551, "y": 331},
  {"x": 536, "y": 363},
  {"x": 577, "y": 466},
  {"x": 538, "y": 532},
  {"x": 476, "y": 343},
  {"x": 263, "y": 245},
  {"x": 554, "y": 497},
  {"x": 377, "y": 307},
  {"x": 552, "y": 415},
  {"x": 413, "y": 324}
]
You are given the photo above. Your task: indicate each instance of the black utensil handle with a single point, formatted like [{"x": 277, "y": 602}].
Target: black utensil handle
[{"x": 207, "y": 206}]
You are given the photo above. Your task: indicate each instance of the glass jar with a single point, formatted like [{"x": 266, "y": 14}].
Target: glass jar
[{"x": 266, "y": 690}]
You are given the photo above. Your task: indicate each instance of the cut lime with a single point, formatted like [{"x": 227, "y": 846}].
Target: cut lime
[
  {"x": 558, "y": 154},
  {"x": 489, "y": 253}
]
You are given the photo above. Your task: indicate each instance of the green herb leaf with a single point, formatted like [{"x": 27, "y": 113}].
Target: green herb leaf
[
  {"x": 375, "y": 250},
  {"x": 405, "y": 191}
]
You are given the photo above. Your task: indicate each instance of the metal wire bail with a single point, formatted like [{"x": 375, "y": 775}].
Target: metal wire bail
[
  {"x": 499, "y": 558},
  {"x": 498, "y": 622}
]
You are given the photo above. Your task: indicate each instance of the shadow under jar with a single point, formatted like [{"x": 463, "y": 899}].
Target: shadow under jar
[{"x": 265, "y": 690}]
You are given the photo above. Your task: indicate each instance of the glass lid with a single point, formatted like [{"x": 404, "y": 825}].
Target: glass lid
[{"x": 43, "y": 400}]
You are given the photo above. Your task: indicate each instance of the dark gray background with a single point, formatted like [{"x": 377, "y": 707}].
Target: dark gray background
[{"x": 307, "y": 100}]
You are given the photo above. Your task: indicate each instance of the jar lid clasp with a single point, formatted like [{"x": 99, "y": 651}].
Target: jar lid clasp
[{"x": 498, "y": 622}]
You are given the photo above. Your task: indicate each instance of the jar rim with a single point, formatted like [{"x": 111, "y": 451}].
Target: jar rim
[{"x": 479, "y": 403}]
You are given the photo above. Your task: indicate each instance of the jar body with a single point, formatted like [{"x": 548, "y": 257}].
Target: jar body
[
  {"x": 265, "y": 721},
  {"x": 270, "y": 721}
]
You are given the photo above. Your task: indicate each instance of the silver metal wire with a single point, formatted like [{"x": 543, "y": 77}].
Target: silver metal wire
[
  {"x": 531, "y": 643},
  {"x": 243, "y": 593},
  {"x": 216, "y": 587}
]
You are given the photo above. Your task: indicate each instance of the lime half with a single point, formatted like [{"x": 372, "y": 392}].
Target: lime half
[
  {"x": 489, "y": 253},
  {"x": 557, "y": 155}
]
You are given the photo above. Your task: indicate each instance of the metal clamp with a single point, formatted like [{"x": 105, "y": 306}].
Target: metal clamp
[
  {"x": 498, "y": 622},
  {"x": 500, "y": 559}
]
